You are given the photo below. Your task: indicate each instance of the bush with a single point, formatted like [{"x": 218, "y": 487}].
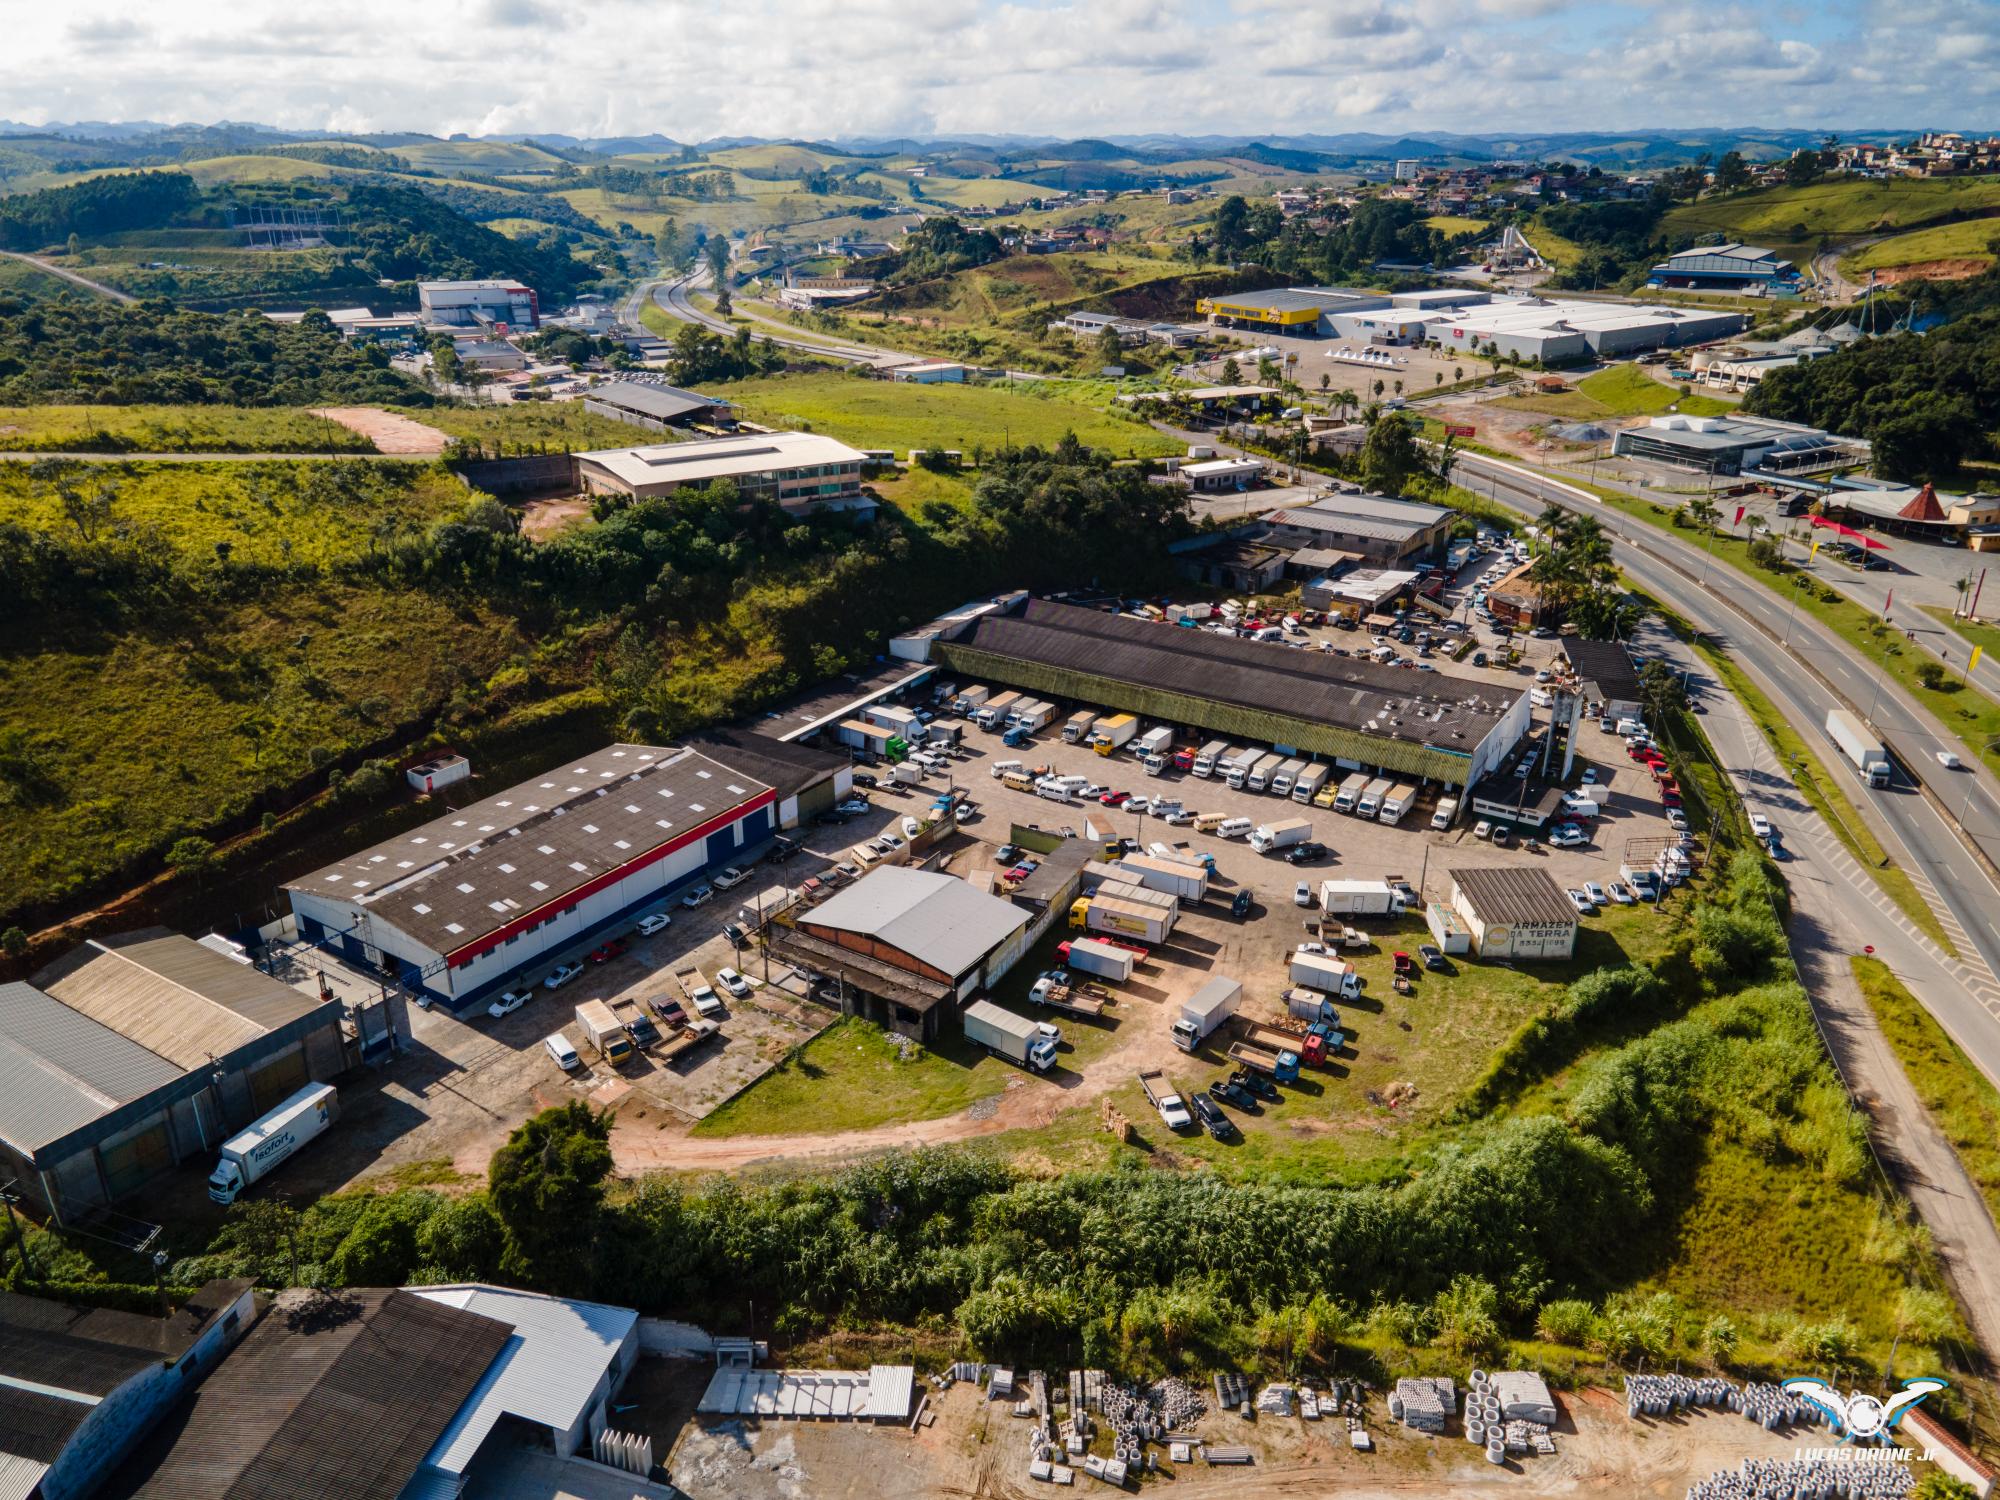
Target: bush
[
  {"x": 1567, "y": 1321},
  {"x": 1932, "y": 675}
]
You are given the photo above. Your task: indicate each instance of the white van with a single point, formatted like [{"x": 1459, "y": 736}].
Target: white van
[
  {"x": 1072, "y": 784},
  {"x": 1053, "y": 790},
  {"x": 1233, "y": 828},
  {"x": 564, "y": 1054},
  {"x": 1384, "y": 653},
  {"x": 1629, "y": 727},
  {"x": 1002, "y": 767}
]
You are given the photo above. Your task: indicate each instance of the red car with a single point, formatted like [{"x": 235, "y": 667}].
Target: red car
[
  {"x": 609, "y": 951},
  {"x": 1115, "y": 799}
]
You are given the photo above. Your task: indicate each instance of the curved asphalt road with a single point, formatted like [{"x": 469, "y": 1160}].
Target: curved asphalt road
[
  {"x": 673, "y": 299},
  {"x": 1751, "y": 624}
]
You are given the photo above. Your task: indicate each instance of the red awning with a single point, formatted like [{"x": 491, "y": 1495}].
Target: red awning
[{"x": 1868, "y": 542}]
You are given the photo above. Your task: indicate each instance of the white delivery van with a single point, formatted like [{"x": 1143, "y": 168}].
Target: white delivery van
[
  {"x": 1233, "y": 828},
  {"x": 1002, "y": 767},
  {"x": 564, "y": 1054}
]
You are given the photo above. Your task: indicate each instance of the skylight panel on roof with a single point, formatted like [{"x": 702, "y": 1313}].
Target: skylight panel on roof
[
  {"x": 421, "y": 909},
  {"x": 737, "y": 789},
  {"x": 580, "y": 869},
  {"x": 546, "y": 848},
  {"x": 538, "y": 885},
  {"x": 464, "y": 889},
  {"x": 696, "y": 807},
  {"x": 590, "y": 828},
  {"x": 506, "y": 869},
  {"x": 453, "y": 928}
]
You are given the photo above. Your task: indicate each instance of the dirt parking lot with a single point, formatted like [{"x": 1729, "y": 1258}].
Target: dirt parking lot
[{"x": 977, "y": 1447}]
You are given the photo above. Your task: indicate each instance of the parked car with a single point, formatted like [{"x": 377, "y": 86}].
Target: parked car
[
  {"x": 654, "y": 922},
  {"x": 733, "y": 982},
  {"x": 561, "y": 975},
  {"x": 701, "y": 895},
  {"x": 847, "y": 870},
  {"x": 1621, "y": 893},
  {"x": 865, "y": 778},
  {"x": 1596, "y": 892},
  {"x": 1431, "y": 954},
  {"x": 738, "y": 938},
  {"x": 1760, "y": 826},
  {"x": 1590, "y": 776},
  {"x": 889, "y": 841},
  {"x": 508, "y": 1003},
  {"x": 669, "y": 1010},
  {"x": 1115, "y": 799},
  {"x": 1302, "y": 894},
  {"x": 1581, "y": 902},
  {"x": 1236, "y": 1095},
  {"x": 1483, "y": 830},
  {"x": 1006, "y": 854},
  {"x": 605, "y": 952},
  {"x": 831, "y": 817},
  {"x": 565, "y": 1055},
  {"x": 1210, "y": 1116},
  {"x": 1256, "y": 1083},
  {"x": 1306, "y": 853}
]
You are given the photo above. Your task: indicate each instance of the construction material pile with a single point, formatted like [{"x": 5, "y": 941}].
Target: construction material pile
[
  {"x": 1232, "y": 1391},
  {"x": 1656, "y": 1395},
  {"x": 1772, "y": 1406},
  {"x": 1854, "y": 1475},
  {"x": 1139, "y": 1417},
  {"x": 1423, "y": 1402},
  {"x": 1510, "y": 1411},
  {"x": 1275, "y": 1401}
]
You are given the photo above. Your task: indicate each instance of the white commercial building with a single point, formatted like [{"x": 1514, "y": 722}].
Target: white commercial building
[
  {"x": 802, "y": 471},
  {"x": 478, "y": 304},
  {"x": 464, "y": 904},
  {"x": 1515, "y": 913},
  {"x": 1557, "y": 332}
]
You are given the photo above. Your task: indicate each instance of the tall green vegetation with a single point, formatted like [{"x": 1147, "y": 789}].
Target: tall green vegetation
[
  {"x": 112, "y": 354},
  {"x": 939, "y": 246},
  {"x": 103, "y": 205},
  {"x": 1379, "y": 229}
]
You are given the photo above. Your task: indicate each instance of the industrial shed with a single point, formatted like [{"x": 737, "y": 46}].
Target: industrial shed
[
  {"x": 655, "y": 407},
  {"x": 460, "y": 906},
  {"x": 909, "y": 946},
  {"x": 1515, "y": 913},
  {"x": 1605, "y": 672},
  {"x": 1429, "y": 726},
  {"x": 134, "y": 1053}
]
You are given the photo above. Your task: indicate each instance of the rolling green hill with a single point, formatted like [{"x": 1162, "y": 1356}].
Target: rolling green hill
[
  {"x": 1796, "y": 221},
  {"x": 1968, "y": 240}
]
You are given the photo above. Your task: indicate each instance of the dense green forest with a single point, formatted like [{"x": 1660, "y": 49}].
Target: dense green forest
[
  {"x": 1379, "y": 229},
  {"x": 1926, "y": 401},
  {"x": 105, "y": 353},
  {"x": 102, "y": 205}
]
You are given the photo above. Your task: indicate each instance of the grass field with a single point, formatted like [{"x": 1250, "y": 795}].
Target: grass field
[
  {"x": 19, "y": 279},
  {"x": 1824, "y": 793},
  {"x": 558, "y": 426},
  {"x": 1962, "y": 1101},
  {"x": 1971, "y": 239},
  {"x": 1453, "y": 225},
  {"x": 1621, "y": 391},
  {"x": 1796, "y": 220},
  {"x": 884, "y": 414},
  {"x": 174, "y": 429}
]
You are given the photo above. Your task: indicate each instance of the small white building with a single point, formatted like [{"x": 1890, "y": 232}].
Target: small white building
[
  {"x": 1515, "y": 913},
  {"x": 1217, "y": 475},
  {"x": 478, "y": 304},
  {"x": 930, "y": 372}
]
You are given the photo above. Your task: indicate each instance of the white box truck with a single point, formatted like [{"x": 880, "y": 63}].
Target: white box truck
[
  {"x": 1077, "y": 726},
  {"x": 894, "y": 716},
  {"x": 969, "y": 700},
  {"x": 1259, "y": 778},
  {"x": 1159, "y": 740},
  {"x": 1017, "y": 1038},
  {"x": 1187, "y": 882},
  {"x": 249, "y": 1156},
  {"x": 1268, "y": 838},
  {"x": 1287, "y": 777},
  {"x": 1358, "y": 898},
  {"x": 1350, "y": 792},
  {"x": 993, "y": 712},
  {"x": 1236, "y": 770},
  {"x": 1211, "y": 755},
  {"x": 1369, "y": 803},
  {"x": 1309, "y": 782},
  {"x": 1447, "y": 809},
  {"x": 1098, "y": 959},
  {"x": 1324, "y": 972},
  {"x": 1033, "y": 717},
  {"x": 1402, "y": 797},
  {"x": 1204, "y": 1010},
  {"x": 1863, "y": 751}
]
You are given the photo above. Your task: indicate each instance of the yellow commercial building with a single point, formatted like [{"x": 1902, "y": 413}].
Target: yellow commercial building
[{"x": 1266, "y": 309}]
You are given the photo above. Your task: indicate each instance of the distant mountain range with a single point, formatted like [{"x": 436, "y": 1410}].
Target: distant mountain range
[{"x": 1298, "y": 153}]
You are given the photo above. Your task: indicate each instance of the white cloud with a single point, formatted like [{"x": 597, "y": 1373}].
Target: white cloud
[{"x": 821, "y": 68}]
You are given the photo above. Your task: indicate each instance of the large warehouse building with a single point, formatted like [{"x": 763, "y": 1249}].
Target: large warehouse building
[
  {"x": 1430, "y": 726},
  {"x": 1375, "y": 528},
  {"x": 135, "y": 1053},
  {"x": 1725, "y": 267},
  {"x": 802, "y": 471},
  {"x": 1515, "y": 913},
  {"x": 909, "y": 947},
  {"x": 461, "y": 906},
  {"x": 478, "y": 304},
  {"x": 1561, "y": 332},
  {"x": 1738, "y": 445}
]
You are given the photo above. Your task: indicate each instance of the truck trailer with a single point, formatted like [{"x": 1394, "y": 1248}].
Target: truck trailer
[
  {"x": 1188, "y": 882},
  {"x": 1111, "y": 734},
  {"x": 1402, "y": 797},
  {"x": 1017, "y": 1038},
  {"x": 1268, "y": 838},
  {"x": 253, "y": 1153},
  {"x": 1165, "y": 1099},
  {"x": 1863, "y": 751},
  {"x": 1204, "y": 1010},
  {"x": 1358, "y": 898},
  {"x": 684, "y": 1039},
  {"x": 1210, "y": 756},
  {"x": 1077, "y": 726},
  {"x": 605, "y": 1032},
  {"x": 1350, "y": 792},
  {"x": 1115, "y": 914},
  {"x": 1309, "y": 782},
  {"x": 1097, "y": 958}
]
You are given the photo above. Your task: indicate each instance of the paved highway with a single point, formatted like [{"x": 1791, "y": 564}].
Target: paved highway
[
  {"x": 1730, "y": 612},
  {"x": 673, "y": 298}
]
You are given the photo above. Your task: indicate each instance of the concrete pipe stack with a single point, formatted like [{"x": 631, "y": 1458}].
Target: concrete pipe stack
[{"x": 1854, "y": 1477}]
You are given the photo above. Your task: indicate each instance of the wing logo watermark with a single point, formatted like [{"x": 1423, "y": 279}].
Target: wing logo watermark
[{"x": 1858, "y": 1417}]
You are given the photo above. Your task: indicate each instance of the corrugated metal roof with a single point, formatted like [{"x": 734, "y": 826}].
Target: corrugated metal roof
[
  {"x": 661, "y": 402},
  {"x": 547, "y": 1373},
  {"x": 59, "y": 1069},
  {"x": 1516, "y": 896},
  {"x": 90, "y": 1351},
  {"x": 937, "y": 919},
  {"x": 172, "y": 996},
  {"x": 19, "y": 1476}
]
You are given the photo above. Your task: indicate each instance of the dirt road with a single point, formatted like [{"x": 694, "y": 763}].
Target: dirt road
[
  {"x": 389, "y": 431},
  {"x": 83, "y": 281}
]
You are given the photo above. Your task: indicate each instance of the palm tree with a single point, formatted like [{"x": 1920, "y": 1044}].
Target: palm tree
[{"x": 1457, "y": 374}]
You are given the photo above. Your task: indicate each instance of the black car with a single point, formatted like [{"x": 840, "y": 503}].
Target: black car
[
  {"x": 1305, "y": 854},
  {"x": 1431, "y": 954},
  {"x": 1235, "y": 1094},
  {"x": 863, "y": 778},
  {"x": 1256, "y": 1083},
  {"x": 1239, "y": 904},
  {"x": 831, "y": 817},
  {"x": 734, "y": 932},
  {"x": 1211, "y": 1117}
]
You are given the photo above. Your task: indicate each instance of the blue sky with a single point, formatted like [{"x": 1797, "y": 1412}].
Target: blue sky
[{"x": 818, "y": 68}]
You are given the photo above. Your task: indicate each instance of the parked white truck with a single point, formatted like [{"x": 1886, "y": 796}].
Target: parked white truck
[
  {"x": 1163, "y": 1097},
  {"x": 1287, "y": 777},
  {"x": 1358, "y": 898},
  {"x": 1159, "y": 740},
  {"x": 1076, "y": 727},
  {"x": 1180, "y": 878},
  {"x": 1350, "y": 792},
  {"x": 1031, "y": 715},
  {"x": 992, "y": 714},
  {"x": 1369, "y": 803},
  {"x": 1259, "y": 779},
  {"x": 1402, "y": 797},
  {"x": 1204, "y": 1010},
  {"x": 1236, "y": 770},
  {"x": 1017, "y": 1038},
  {"x": 1100, "y": 960},
  {"x": 1863, "y": 751},
  {"x": 1309, "y": 782},
  {"x": 1325, "y": 973},
  {"x": 250, "y": 1156},
  {"x": 1268, "y": 838},
  {"x": 1211, "y": 755}
]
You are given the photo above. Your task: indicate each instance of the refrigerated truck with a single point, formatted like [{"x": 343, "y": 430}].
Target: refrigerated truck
[
  {"x": 1324, "y": 972},
  {"x": 1350, "y": 792},
  {"x": 1030, "y": 714},
  {"x": 1400, "y": 800},
  {"x": 1287, "y": 777},
  {"x": 1211, "y": 755},
  {"x": 1863, "y": 751},
  {"x": 1017, "y": 1038},
  {"x": 1309, "y": 782},
  {"x": 969, "y": 700},
  {"x": 1077, "y": 726},
  {"x": 1204, "y": 1010},
  {"x": 1369, "y": 803},
  {"x": 250, "y": 1155}
]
